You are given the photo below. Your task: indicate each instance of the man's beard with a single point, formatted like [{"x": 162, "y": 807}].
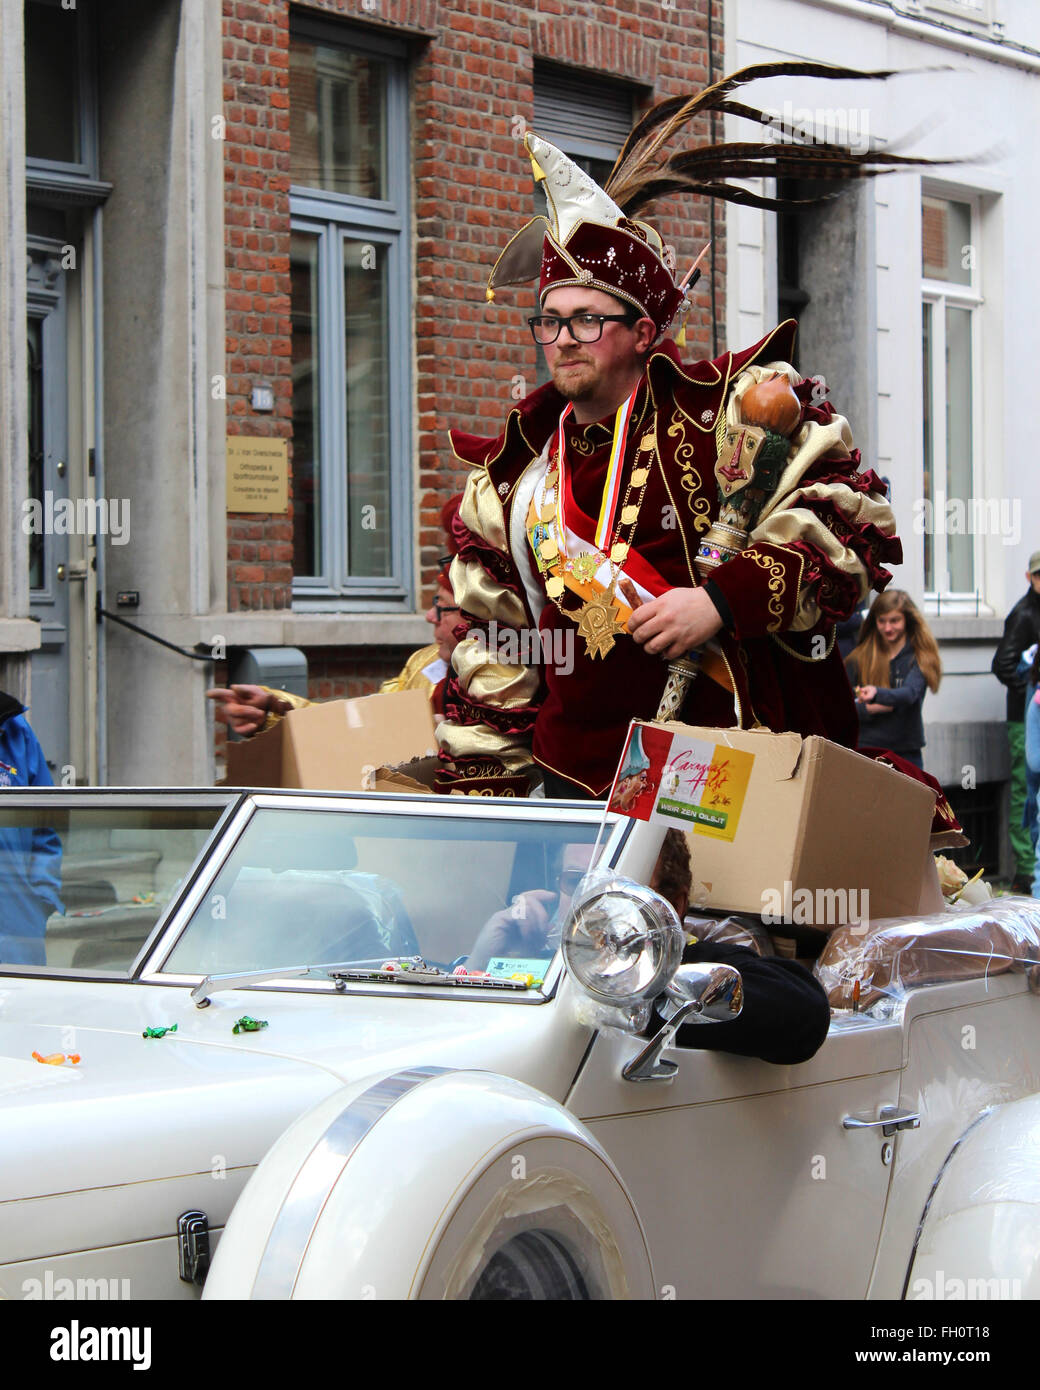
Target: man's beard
[{"x": 575, "y": 390}]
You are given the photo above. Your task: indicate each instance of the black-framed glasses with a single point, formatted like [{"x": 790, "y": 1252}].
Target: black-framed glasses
[
  {"x": 583, "y": 328},
  {"x": 441, "y": 608}
]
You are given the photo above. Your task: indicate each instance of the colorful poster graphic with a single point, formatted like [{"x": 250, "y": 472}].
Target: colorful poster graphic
[{"x": 673, "y": 779}]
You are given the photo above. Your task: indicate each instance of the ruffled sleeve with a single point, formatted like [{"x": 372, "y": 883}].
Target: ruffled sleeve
[
  {"x": 491, "y": 697},
  {"x": 822, "y": 539}
]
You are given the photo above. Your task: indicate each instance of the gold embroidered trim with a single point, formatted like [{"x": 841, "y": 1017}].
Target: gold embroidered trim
[
  {"x": 565, "y": 775},
  {"x": 777, "y": 586},
  {"x": 691, "y": 481},
  {"x": 736, "y": 687},
  {"x": 798, "y": 656}
]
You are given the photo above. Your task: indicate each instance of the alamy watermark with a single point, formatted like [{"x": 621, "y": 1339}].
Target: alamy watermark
[
  {"x": 82, "y": 516},
  {"x": 969, "y": 516},
  {"x": 848, "y": 126},
  {"x": 50, "y": 1288},
  {"x": 528, "y": 646},
  {"x": 82, "y": 1342},
  {"x": 943, "y": 1288},
  {"x": 816, "y": 907}
]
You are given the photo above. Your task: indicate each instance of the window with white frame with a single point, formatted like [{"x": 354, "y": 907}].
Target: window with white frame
[
  {"x": 351, "y": 319},
  {"x": 951, "y": 301}
]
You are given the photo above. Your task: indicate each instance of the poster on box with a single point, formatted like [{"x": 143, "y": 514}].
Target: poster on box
[{"x": 673, "y": 779}]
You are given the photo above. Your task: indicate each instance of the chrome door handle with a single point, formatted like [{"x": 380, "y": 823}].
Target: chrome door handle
[{"x": 890, "y": 1119}]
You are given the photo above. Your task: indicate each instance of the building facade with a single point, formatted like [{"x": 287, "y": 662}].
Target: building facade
[
  {"x": 258, "y": 237},
  {"x": 913, "y": 297}
]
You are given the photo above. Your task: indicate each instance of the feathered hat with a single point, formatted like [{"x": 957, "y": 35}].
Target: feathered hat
[{"x": 590, "y": 236}]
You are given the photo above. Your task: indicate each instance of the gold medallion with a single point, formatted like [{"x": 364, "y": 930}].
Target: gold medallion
[
  {"x": 548, "y": 550},
  {"x": 639, "y": 476},
  {"x": 648, "y": 441},
  {"x": 585, "y": 566},
  {"x": 598, "y": 622},
  {"x": 547, "y": 511},
  {"x": 628, "y": 515},
  {"x": 618, "y": 552},
  {"x": 554, "y": 586}
]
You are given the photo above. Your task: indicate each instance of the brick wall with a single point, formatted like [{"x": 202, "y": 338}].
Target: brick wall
[
  {"x": 256, "y": 215},
  {"x": 471, "y": 84}
]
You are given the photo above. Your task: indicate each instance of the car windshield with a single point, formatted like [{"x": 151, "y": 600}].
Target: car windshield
[
  {"x": 318, "y": 887},
  {"x": 82, "y": 887}
]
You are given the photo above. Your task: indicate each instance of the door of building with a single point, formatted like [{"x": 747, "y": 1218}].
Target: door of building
[{"x": 45, "y": 517}]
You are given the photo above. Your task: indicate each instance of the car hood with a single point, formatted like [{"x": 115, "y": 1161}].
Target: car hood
[{"x": 198, "y": 1108}]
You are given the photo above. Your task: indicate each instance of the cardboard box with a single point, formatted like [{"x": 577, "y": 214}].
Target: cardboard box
[
  {"x": 336, "y": 745},
  {"x": 789, "y": 828},
  {"x": 416, "y": 775}
]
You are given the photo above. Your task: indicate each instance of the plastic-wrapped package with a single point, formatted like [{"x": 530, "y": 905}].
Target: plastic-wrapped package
[
  {"x": 732, "y": 929},
  {"x": 898, "y": 954}
]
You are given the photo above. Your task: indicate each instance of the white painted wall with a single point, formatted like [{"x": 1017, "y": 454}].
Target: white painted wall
[{"x": 987, "y": 106}]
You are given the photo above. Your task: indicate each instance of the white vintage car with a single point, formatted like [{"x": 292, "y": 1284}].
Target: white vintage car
[{"x": 313, "y": 1124}]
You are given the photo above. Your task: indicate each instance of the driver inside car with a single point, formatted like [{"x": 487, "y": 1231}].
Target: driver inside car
[
  {"x": 785, "y": 1017},
  {"x": 524, "y": 929}
]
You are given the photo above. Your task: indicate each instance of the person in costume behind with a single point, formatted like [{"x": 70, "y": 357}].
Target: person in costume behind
[
  {"x": 895, "y": 662},
  {"x": 427, "y": 669},
  {"x": 248, "y": 709},
  {"x": 30, "y": 859},
  {"x": 611, "y": 490}
]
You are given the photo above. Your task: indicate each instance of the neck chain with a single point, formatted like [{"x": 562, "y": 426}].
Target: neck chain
[{"x": 582, "y": 570}]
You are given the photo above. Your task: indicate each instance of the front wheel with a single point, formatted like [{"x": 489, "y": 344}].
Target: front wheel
[{"x": 434, "y": 1184}]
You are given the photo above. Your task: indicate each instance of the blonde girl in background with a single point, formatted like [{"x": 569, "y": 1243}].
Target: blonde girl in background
[{"x": 895, "y": 661}]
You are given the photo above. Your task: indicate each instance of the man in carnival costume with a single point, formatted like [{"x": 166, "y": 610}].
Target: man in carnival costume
[{"x": 636, "y": 508}]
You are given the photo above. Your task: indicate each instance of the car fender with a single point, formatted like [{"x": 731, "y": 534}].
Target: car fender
[
  {"x": 409, "y": 1184},
  {"x": 980, "y": 1233}
]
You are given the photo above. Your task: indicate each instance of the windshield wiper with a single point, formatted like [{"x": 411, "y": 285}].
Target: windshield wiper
[
  {"x": 411, "y": 970},
  {"x": 212, "y": 984}
]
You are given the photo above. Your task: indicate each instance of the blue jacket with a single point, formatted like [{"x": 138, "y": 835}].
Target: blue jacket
[
  {"x": 30, "y": 859},
  {"x": 1032, "y": 731}
]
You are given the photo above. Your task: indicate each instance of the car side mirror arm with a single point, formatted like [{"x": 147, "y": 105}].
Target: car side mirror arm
[{"x": 700, "y": 994}]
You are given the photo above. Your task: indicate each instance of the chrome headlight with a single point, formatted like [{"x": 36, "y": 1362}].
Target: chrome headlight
[{"x": 622, "y": 942}]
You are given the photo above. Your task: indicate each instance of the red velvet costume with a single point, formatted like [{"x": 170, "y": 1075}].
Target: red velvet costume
[
  {"x": 578, "y": 721},
  {"x": 816, "y": 542}
]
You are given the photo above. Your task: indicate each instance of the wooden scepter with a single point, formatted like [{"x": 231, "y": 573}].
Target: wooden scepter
[{"x": 749, "y": 465}]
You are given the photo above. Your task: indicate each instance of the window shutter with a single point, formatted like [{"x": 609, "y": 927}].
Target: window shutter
[{"x": 583, "y": 114}]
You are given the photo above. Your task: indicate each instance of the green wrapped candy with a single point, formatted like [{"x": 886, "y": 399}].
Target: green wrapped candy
[{"x": 249, "y": 1025}]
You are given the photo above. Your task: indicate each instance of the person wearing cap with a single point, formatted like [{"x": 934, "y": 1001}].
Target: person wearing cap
[
  {"x": 595, "y": 512},
  {"x": 1021, "y": 630}
]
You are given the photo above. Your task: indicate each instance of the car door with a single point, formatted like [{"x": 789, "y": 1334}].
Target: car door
[{"x": 746, "y": 1181}]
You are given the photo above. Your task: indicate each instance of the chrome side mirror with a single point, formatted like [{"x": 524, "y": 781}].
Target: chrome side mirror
[{"x": 697, "y": 994}]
